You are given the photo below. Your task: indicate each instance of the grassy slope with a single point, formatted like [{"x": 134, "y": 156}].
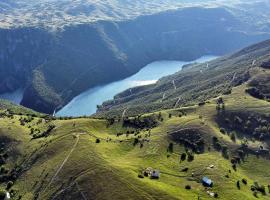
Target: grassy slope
[
  {"x": 109, "y": 170},
  {"x": 13, "y": 108}
]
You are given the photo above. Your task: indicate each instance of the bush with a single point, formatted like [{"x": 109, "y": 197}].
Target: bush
[
  {"x": 233, "y": 136},
  {"x": 255, "y": 194},
  {"x": 136, "y": 141},
  {"x": 244, "y": 181},
  {"x": 9, "y": 185},
  {"x": 97, "y": 140},
  {"x": 222, "y": 130},
  {"x": 238, "y": 185},
  {"x": 188, "y": 187},
  {"x": 224, "y": 149},
  {"x": 201, "y": 103},
  {"x": 183, "y": 156},
  {"x": 170, "y": 148},
  {"x": 190, "y": 157}
]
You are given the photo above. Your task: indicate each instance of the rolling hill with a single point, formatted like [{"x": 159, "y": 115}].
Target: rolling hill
[{"x": 224, "y": 138}]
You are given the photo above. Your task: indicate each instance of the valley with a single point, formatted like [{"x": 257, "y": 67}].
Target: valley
[
  {"x": 87, "y": 102},
  {"x": 54, "y": 65},
  {"x": 150, "y": 152},
  {"x": 124, "y": 100}
]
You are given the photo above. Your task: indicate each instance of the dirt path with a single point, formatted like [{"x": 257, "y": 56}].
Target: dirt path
[
  {"x": 124, "y": 113},
  {"x": 65, "y": 160},
  {"x": 174, "y": 86},
  {"x": 177, "y": 102}
]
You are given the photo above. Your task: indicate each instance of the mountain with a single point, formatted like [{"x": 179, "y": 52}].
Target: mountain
[
  {"x": 218, "y": 148},
  {"x": 54, "y": 14},
  {"x": 56, "y": 57},
  {"x": 196, "y": 84}
]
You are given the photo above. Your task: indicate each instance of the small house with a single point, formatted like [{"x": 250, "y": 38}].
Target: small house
[
  {"x": 207, "y": 182},
  {"x": 155, "y": 174}
]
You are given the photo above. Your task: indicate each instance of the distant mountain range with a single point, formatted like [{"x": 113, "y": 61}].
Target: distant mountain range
[{"x": 55, "y": 14}]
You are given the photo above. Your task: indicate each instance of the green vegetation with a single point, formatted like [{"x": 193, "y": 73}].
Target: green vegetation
[
  {"x": 77, "y": 157},
  {"x": 155, "y": 155}
]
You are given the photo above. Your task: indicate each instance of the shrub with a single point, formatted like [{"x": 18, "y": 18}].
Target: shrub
[
  {"x": 136, "y": 141},
  {"x": 222, "y": 130},
  {"x": 170, "y": 148},
  {"x": 183, "y": 156},
  {"x": 244, "y": 181},
  {"x": 188, "y": 187},
  {"x": 97, "y": 140},
  {"x": 238, "y": 185},
  {"x": 201, "y": 103},
  {"x": 233, "y": 136},
  {"x": 190, "y": 157},
  {"x": 224, "y": 149},
  {"x": 262, "y": 189},
  {"x": 9, "y": 185}
]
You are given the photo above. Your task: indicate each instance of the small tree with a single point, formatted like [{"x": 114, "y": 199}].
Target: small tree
[
  {"x": 190, "y": 156},
  {"x": 97, "y": 140},
  {"x": 9, "y": 185},
  {"x": 233, "y": 136},
  {"x": 238, "y": 185},
  {"x": 183, "y": 156},
  {"x": 188, "y": 187},
  {"x": 170, "y": 148},
  {"x": 222, "y": 130},
  {"x": 244, "y": 181},
  {"x": 136, "y": 141}
]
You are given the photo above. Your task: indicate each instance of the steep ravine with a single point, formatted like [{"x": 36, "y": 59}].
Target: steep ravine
[{"x": 56, "y": 66}]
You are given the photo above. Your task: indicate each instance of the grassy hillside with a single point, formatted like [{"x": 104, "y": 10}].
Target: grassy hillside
[
  {"x": 11, "y": 108},
  {"x": 87, "y": 158}
]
